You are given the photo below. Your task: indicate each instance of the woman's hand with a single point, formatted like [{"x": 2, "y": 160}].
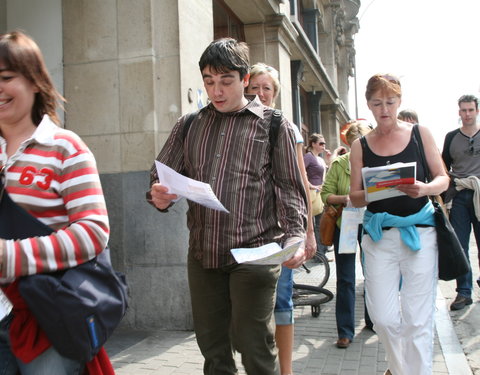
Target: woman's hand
[{"x": 416, "y": 190}]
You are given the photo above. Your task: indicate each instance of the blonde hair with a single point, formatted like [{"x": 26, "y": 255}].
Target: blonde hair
[
  {"x": 261, "y": 68},
  {"x": 356, "y": 130}
]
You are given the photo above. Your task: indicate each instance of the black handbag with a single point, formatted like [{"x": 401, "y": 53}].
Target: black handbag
[
  {"x": 452, "y": 261},
  {"x": 78, "y": 308}
]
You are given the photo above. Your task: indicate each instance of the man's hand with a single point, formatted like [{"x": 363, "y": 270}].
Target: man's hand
[
  {"x": 299, "y": 257},
  {"x": 160, "y": 197},
  {"x": 310, "y": 245}
]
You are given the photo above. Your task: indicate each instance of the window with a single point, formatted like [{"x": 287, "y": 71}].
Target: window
[{"x": 226, "y": 23}]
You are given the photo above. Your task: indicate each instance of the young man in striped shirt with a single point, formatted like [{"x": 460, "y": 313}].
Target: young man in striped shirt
[{"x": 227, "y": 146}]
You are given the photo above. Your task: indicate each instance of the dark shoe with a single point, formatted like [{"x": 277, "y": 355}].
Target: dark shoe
[
  {"x": 343, "y": 343},
  {"x": 369, "y": 326},
  {"x": 478, "y": 282},
  {"x": 460, "y": 302}
]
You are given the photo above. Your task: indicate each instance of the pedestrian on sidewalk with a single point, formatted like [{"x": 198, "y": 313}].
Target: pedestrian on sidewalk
[
  {"x": 50, "y": 176},
  {"x": 461, "y": 154},
  {"x": 400, "y": 243},
  {"x": 335, "y": 192},
  {"x": 316, "y": 168},
  {"x": 228, "y": 146},
  {"x": 264, "y": 82},
  {"x": 408, "y": 115}
]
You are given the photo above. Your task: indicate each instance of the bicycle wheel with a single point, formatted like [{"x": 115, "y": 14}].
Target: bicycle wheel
[
  {"x": 304, "y": 295},
  {"x": 315, "y": 273}
]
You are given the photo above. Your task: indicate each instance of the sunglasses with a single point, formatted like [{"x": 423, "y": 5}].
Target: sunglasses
[
  {"x": 471, "y": 149},
  {"x": 322, "y": 143}
]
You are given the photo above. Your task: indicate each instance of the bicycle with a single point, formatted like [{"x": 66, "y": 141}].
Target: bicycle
[{"x": 308, "y": 286}]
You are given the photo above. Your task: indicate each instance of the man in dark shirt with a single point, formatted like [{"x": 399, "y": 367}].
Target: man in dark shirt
[
  {"x": 461, "y": 154},
  {"x": 227, "y": 145}
]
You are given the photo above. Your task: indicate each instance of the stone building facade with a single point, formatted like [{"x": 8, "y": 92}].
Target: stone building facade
[{"x": 129, "y": 69}]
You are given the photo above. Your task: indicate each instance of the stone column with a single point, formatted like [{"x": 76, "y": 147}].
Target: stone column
[{"x": 131, "y": 69}]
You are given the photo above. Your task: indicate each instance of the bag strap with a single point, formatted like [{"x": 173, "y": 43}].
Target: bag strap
[
  {"x": 188, "y": 121},
  {"x": 418, "y": 140},
  {"x": 274, "y": 127}
]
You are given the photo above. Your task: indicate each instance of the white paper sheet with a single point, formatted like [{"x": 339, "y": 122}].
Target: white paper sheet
[
  {"x": 5, "y": 305},
  {"x": 351, "y": 218},
  {"x": 196, "y": 191},
  {"x": 269, "y": 254}
]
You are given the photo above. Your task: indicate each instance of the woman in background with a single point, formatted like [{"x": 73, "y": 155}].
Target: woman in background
[
  {"x": 264, "y": 82},
  {"x": 316, "y": 169},
  {"x": 335, "y": 192}
]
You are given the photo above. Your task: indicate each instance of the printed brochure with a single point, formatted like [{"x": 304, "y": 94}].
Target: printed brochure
[{"x": 380, "y": 182}]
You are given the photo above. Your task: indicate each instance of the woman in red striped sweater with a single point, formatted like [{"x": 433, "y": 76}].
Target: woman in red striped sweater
[{"x": 51, "y": 173}]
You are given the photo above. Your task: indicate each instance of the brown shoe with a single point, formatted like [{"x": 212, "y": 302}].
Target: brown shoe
[
  {"x": 387, "y": 372},
  {"x": 343, "y": 343}
]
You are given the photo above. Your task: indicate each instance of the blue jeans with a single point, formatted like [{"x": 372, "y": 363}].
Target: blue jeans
[
  {"x": 345, "y": 303},
  {"x": 462, "y": 217},
  {"x": 284, "y": 301},
  {"x": 49, "y": 362}
]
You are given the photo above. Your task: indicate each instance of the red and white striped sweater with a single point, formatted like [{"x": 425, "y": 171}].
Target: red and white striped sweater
[{"x": 53, "y": 176}]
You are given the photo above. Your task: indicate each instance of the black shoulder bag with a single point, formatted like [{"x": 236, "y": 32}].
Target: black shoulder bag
[
  {"x": 78, "y": 308},
  {"x": 452, "y": 261}
]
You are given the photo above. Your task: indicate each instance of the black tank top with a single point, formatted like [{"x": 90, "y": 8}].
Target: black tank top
[{"x": 403, "y": 205}]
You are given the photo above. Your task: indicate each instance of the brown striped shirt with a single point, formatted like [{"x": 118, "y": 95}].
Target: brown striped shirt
[{"x": 263, "y": 191}]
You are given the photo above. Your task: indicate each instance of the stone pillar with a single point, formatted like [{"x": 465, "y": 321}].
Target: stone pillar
[
  {"x": 314, "y": 105},
  {"x": 266, "y": 43},
  {"x": 297, "y": 72},
  {"x": 330, "y": 125},
  {"x": 131, "y": 69}
]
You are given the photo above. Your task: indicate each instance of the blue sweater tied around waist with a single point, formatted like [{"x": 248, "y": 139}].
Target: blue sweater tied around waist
[{"x": 373, "y": 224}]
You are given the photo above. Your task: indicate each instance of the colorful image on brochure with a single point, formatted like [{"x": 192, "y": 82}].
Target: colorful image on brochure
[{"x": 380, "y": 182}]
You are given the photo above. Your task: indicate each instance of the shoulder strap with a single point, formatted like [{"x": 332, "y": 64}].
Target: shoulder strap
[
  {"x": 188, "y": 121},
  {"x": 274, "y": 127},
  {"x": 363, "y": 142},
  {"x": 417, "y": 138}
]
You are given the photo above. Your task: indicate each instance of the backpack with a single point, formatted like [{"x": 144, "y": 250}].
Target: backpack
[{"x": 272, "y": 133}]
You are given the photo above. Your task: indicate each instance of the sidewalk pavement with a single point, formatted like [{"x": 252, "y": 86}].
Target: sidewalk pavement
[{"x": 176, "y": 352}]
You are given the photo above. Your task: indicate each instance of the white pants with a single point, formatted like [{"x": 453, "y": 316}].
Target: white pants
[{"x": 400, "y": 291}]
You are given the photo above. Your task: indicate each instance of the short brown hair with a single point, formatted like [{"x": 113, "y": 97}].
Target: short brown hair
[
  {"x": 226, "y": 54},
  {"x": 21, "y": 54},
  {"x": 386, "y": 83}
]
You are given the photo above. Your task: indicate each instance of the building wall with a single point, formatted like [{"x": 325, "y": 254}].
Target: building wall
[{"x": 128, "y": 71}]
